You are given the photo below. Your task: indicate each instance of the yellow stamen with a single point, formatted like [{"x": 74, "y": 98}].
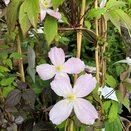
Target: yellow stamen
[
  {"x": 59, "y": 68},
  {"x": 45, "y": 4},
  {"x": 71, "y": 98}
]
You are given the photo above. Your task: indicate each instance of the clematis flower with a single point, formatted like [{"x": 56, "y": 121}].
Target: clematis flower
[
  {"x": 127, "y": 61},
  {"x": 45, "y": 6},
  {"x": 6, "y": 1},
  {"x": 108, "y": 93},
  {"x": 73, "y": 100},
  {"x": 59, "y": 67}
]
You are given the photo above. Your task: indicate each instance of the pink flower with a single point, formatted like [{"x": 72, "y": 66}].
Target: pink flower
[
  {"x": 59, "y": 67},
  {"x": 45, "y": 6},
  {"x": 83, "y": 109}
]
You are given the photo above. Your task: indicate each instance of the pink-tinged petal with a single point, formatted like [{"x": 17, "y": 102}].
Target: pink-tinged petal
[
  {"x": 60, "y": 111},
  {"x": 62, "y": 87},
  {"x": 42, "y": 14},
  {"x": 85, "y": 111},
  {"x": 57, "y": 56},
  {"x": 73, "y": 66},
  {"x": 54, "y": 13},
  {"x": 84, "y": 85},
  {"x": 45, "y": 71},
  {"x": 62, "y": 74}
]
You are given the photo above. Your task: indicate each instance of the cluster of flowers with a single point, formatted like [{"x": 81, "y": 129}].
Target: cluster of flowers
[{"x": 72, "y": 97}]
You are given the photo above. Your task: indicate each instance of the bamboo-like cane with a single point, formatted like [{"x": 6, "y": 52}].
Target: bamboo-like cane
[
  {"x": 79, "y": 41},
  {"x": 97, "y": 46},
  {"x": 79, "y": 32}
]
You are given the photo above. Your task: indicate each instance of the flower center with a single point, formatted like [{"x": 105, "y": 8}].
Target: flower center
[
  {"x": 46, "y": 4},
  {"x": 59, "y": 68},
  {"x": 71, "y": 98}
]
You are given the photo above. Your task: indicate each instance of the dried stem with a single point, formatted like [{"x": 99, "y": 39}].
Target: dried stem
[
  {"x": 97, "y": 46},
  {"x": 20, "y": 61},
  {"x": 104, "y": 30}
]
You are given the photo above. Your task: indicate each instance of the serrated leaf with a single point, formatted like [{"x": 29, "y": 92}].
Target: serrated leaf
[
  {"x": 50, "y": 29},
  {"x": 56, "y": 3},
  {"x": 13, "y": 98},
  {"x": 8, "y": 62},
  {"x": 7, "y": 90},
  {"x": 7, "y": 81},
  {"x": 113, "y": 111},
  {"x": 111, "y": 81},
  {"x": 4, "y": 69},
  {"x": 16, "y": 55},
  {"x": 29, "y": 96},
  {"x": 23, "y": 19},
  {"x": 12, "y": 13}
]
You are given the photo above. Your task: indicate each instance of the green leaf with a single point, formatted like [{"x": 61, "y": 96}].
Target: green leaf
[
  {"x": 96, "y": 12},
  {"x": 4, "y": 69},
  {"x": 7, "y": 90},
  {"x": 124, "y": 17},
  {"x": 31, "y": 63},
  {"x": 106, "y": 105},
  {"x": 56, "y": 3},
  {"x": 32, "y": 10},
  {"x": 7, "y": 82},
  {"x": 114, "y": 4},
  {"x": 50, "y": 29},
  {"x": 16, "y": 55},
  {"x": 113, "y": 111},
  {"x": 12, "y": 13},
  {"x": 114, "y": 18},
  {"x": 8, "y": 62},
  {"x": 110, "y": 80},
  {"x": 23, "y": 19},
  {"x": 113, "y": 126}
]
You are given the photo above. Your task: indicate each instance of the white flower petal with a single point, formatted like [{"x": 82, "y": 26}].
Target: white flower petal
[
  {"x": 85, "y": 111},
  {"x": 103, "y": 3},
  {"x": 73, "y": 66},
  {"x": 108, "y": 93},
  {"x": 7, "y": 2},
  {"x": 84, "y": 85},
  {"x": 127, "y": 61},
  {"x": 57, "y": 56},
  {"x": 62, "y": 74},
  {"x": 46, "y": 71},
  {"x": 60, "y": 111},
  {"x": 62, "y": 87},
  {"x": 42, "y": 14}
]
